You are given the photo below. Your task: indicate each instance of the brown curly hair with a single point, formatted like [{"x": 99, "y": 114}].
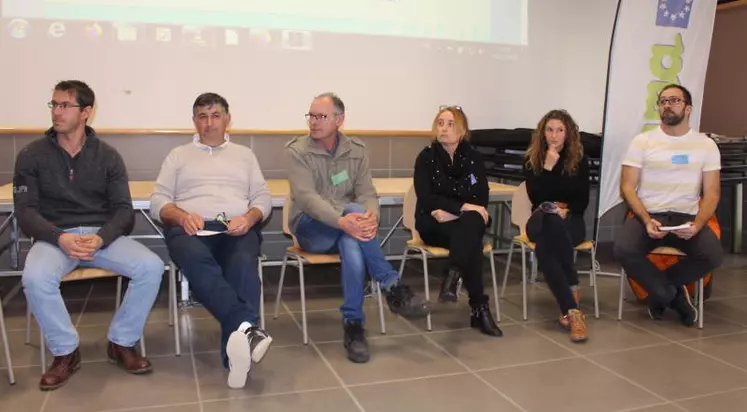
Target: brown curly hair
[{"x": 538, "y": 147}]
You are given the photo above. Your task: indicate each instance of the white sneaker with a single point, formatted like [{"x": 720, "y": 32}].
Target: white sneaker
[{"x": 246, "y": 344}]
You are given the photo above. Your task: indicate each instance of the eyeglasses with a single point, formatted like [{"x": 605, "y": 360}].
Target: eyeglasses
[
  {"x": 445, "y": 106},
  {"x": 222, "y": 218},
  {"x": 62, "y": 105},
  {"x": 312, "y": 116},
  {"x": 672, "y": 101}
]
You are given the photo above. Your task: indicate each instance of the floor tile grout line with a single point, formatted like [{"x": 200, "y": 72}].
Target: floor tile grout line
[
  {"x": 272, "y": 394},
  {"x": 149, "y": 408},
  {"x": 653, "y": 405},
  {"x": 463, "y": 365},
  {"x": 723, "y": 392},
  {"x": 682, "y": 345},
  {"x": 599, "y": 365},
  {"x": 194, "y": 363},
  {"x": 418, "y": 378},
  {"x": 326, "y": 361}
]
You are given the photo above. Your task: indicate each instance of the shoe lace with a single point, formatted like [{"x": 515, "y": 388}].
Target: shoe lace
[{"x": 576, "y": 319}]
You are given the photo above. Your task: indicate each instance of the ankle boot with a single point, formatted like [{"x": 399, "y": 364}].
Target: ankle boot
[
  {"x": 449, "y": 286},
  {"x": 482, "y": 319}
]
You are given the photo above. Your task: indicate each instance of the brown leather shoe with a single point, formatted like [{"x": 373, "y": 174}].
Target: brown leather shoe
[
  {"x": 128, "y": 359},
  {"x": 60, "y": 371}
]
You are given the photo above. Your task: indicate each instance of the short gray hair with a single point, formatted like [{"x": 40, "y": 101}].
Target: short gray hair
[{"x": 336, "y": 101}]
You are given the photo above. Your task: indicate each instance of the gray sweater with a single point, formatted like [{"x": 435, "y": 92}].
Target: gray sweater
[{"x": 211, "y": 180}]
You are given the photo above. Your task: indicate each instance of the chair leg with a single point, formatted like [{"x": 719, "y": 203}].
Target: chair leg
[
  {"x": 524, "y": 281},
  {"x": 402, "y": 262},
  {"x": 622, "y": 294},
  {"x": 701, "y": 313},
  {"x": 424, "y": 256},
  {"x": 533, "y": 268},
  {"x": 491, "y": 257},
  {"x": 260, "y": 272},
  {"x": 118, "y": 300},
  {"x": 280, "y": 286},
  {"x": 593, "y": 276},
  {"x": 6, "y": 347},
  {"x": 28, "y": 324},
  {"x": 175, "y": 309},
  {"x": 172, "y": 292},
  {"x": 42, "y": 351},
  {"x": 381, "y": 308},
  {"x": 303, "y": 303},
  {"x": 142, "y": 345},
  {"x": 508, "y": 266}
]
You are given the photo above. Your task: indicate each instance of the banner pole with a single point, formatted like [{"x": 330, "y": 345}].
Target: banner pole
[{"x": 604, "y": 125}]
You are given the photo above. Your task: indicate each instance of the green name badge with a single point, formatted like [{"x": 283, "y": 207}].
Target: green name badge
[{"x": 340, "y": 177}]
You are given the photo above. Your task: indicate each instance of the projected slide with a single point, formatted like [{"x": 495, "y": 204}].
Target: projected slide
[{"x": 486, "y": 21}]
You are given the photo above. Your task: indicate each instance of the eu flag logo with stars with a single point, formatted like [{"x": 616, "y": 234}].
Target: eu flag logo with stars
[{"x": 674, "y": 13}]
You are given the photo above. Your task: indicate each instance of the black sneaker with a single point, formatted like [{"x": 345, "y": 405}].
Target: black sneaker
[
  {"x": 656, "y": 312},
  {"x": 355, "y": 342},
  {"x": 684, "y": 307},
  {"x": 246, "y": 344},
  {"x": 403, "y": 302}
]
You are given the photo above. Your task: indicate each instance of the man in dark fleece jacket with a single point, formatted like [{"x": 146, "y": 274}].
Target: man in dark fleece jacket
[{"x": 71, "y": 195}]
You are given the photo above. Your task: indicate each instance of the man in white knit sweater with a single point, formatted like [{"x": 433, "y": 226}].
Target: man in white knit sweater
[{"x": 212, "y": 197}]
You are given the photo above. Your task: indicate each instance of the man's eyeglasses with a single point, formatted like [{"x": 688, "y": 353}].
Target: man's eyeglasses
[
  {"x": 445, "y": 106},
  {"x": 62, "y": 105},
  {"x": 672, "y": 101},
  {"x": 312, "y": 116},
  {"x": 222, "y": 218}
]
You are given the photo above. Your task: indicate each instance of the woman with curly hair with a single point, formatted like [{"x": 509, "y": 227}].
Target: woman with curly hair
[{"x": 557, "y": 181}]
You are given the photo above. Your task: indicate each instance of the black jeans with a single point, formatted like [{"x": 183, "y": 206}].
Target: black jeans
[
  {"x": 632, "y": 244},
  {"x": 222, "y": 273},
  {"x": 555, "y": 238},
  {"x": 463, "y": 237}
]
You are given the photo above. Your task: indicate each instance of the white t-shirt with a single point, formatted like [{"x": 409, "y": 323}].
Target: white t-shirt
[{"x": 672, "y": 169}]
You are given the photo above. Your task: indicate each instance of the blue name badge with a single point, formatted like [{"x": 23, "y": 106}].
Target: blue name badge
[
  {"x": 682, "y": 159},
  {"x": 472, "y": 179}
]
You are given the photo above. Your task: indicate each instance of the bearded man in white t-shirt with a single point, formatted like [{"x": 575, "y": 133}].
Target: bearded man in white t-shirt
[{"x": 671, "y": 182}]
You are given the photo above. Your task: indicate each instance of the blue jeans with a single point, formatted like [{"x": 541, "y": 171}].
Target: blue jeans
[
  {"x": 46, "y": 264},
  {"x": 356, "y": 256},
  {"x": 223, "y": 274}
]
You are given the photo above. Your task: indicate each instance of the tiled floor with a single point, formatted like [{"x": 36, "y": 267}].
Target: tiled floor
[{"x": 633, "y": 365}]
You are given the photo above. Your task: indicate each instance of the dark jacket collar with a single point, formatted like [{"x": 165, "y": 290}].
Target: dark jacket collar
[{"x": 91, "y": 138}]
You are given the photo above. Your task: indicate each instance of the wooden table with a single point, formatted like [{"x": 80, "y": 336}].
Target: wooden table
[{"x": 391, "y": 191}]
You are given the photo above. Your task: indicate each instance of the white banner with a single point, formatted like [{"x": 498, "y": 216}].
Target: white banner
[{"x": 656, "y": 42}]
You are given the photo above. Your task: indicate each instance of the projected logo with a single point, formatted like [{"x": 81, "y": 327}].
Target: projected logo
[
  {"x": 260, "y": 37},
  {"x": 125, "y": 32},
  {"x": 196, "y": 36},
  {"x": 93, "y": 30},
  {"x": 674, "y": 13},
  {"x": 18, "y": 28},
  {"x": 296, "y": 40}
]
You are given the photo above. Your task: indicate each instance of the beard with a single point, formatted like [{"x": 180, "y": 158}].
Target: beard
[{"x": 671, "y": 118}]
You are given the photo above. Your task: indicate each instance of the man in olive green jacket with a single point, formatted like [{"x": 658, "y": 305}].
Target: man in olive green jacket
[{"x": 336, "y": 210}]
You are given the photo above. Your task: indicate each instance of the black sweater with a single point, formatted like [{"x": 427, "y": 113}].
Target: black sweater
[
  {"x": 52, "y": 191},
  {"x": 446, "y": 185},
  {"x": 558, "y": 186}
]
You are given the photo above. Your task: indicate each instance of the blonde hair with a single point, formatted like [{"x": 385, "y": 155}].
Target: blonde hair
[
  {"x": 538, "y": 146},
  {"x": 461, "y": 124}
]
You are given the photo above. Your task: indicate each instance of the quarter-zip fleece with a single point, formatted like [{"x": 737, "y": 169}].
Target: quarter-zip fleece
[{"x": 53, "y": 191}]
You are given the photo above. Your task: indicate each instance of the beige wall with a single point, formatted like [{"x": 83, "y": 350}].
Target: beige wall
[{"x": 724, "y": 104}]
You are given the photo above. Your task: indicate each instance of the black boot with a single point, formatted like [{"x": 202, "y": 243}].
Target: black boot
[
  {"x": 449, "y": 286},
  {"x": 482, "y": 319}
]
